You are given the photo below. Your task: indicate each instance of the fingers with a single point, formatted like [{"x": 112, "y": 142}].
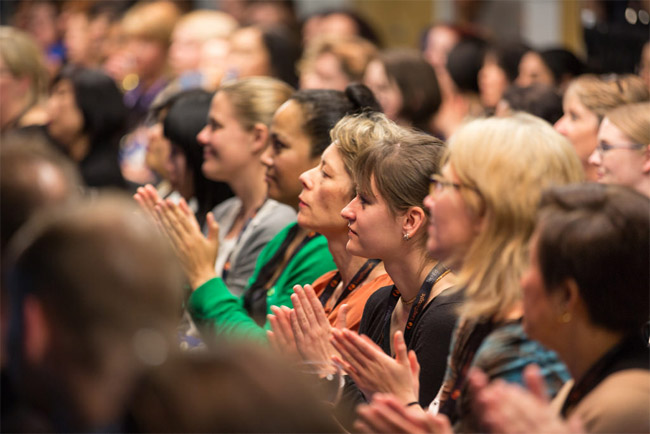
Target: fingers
[
  {"x": 316, "y": 307},
  {"x": 213, "y": 227},
  {"x": 535, "y": 382},
  {"x": 349, "y": 350},
  {"x": 384, "y": 416},
  {"x": 401, "y": 353},
  {"x": 342, "y": 318},
  {"x": 414, "y": 364}
]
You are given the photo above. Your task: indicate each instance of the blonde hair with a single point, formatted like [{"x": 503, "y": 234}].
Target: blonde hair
[
  {"x": 208, "y": 24},
  {"x": 633, "y": 120},
  {"x": 255, "y": 99},
  {"x": 601, "y": 94},
  {"x": 151, "y": 20},
  {"x": 355, "y": 133},
  {"x": 509, "y": 162},
  {"x": 24, "y": 58},
  {"x": 354, "y": 54}
]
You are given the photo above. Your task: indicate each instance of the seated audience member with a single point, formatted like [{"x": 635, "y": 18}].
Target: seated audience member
[
  {"x": 417, "y": 314},
  {"x": 146, "y": 29},
  {"x": 340, "y": 294},
  {"x": 590, "y": 246},
  {"x": 586, "y": 101},
  {"x": 185, "y": 118},
  {"x": 644, "y": 64},
  {"x": 554, "y": 67},
  {"x": 499, "y": 71},
  {"x": 299, "y": 134},
  {"x": 236, "y": 135},
  {"x": 461, "y": 100},
  {"x": 199, "y": 46},
  {"x": 337, "y": 22},
  {"x": 333, "y": 62},
  {"x": 537, "y": 99},
  {"x": 25, "y": 80},
  {"x": 87, "y": 119},
  {"x": 256, "y": 51},
  {"x": 33, "y": 177},
  {"x": 231, "y": 389},
  {"x": 95, "y": 294},
  {"x": 622, "y": 155},
  {"x": 406, "y": 87},
  {"x": 483, "y": 210}
]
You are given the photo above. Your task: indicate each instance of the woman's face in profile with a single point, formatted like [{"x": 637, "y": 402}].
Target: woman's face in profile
[
  {"x": 288, "y": 155},
  {"x": 374, "y": 231},
  {"x": 65, "y": 118},
  {"x": 325, "y": 191}
]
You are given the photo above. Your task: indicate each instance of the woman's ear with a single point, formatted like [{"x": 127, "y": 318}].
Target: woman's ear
[
  {"x": 646, "y": 163},
  {"x": 414, "y": 218},
  {"x": 260, "y": 134},
  {"x": 567, "y": 300}
]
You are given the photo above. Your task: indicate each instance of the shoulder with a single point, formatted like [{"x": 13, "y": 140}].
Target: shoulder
[
  {"x": 507, "y": 351},
  {"x": 619, "y": 403},
  {"x": 226, "y": 206}
]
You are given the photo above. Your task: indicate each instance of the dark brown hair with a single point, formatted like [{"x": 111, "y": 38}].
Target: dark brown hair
[{"x": 599, "y": 236}]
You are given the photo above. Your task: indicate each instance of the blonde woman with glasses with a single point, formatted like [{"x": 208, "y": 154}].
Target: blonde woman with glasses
[{"x": 622, "y": 155}]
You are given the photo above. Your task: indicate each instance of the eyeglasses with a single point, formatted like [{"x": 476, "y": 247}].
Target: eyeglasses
[
  {"x": 437, "y": 183},
  {"x": 603, "y": 147}
]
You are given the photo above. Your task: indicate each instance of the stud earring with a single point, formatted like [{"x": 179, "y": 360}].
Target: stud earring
[{"x": 406, "y": 237}]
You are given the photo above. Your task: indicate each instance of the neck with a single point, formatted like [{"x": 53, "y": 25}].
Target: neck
[
  {"x": 79, "y": 148},
  {"x": 643, "y": 186},
  {"x": 250, "y": 187},
  {"x": 585, "y": 346},
  {"x": 346, "y": 264},
  {"x": 11, "y": 111},
  {"x": 408, "y": 271}
]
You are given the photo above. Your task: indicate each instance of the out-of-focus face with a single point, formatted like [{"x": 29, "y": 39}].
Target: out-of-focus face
[
  {"x": 386, "y": 91},
  {"x": 440, "y": 41},
  {"x": 179, "y": 175},
  {"x": 532, "y": 69},
  {"x": 185, "y": 50},
  {"x": 580, "y": 126},
  {"x": 452, "y": 226},
  {"x": 542, "y": 311},
  {"x": 373, "y": 230},
  {"x": 158, "y": 149},
  {"x": 326, "y": 190},
  {"x": 148, "y": 57},
  {"x": 77, "y": 40},
  {"x": 338, "y": 25},
  {"x": 248, "y": 55},
  {"x": 623, "y": 164},
  {"x": 288, "y": 155},
  {"x": 226, "y": 144},
  {"x": 325, "y": 73},
  {"x": 492, "y": 82},
  {"x": 12, "y": 90},
  {"x": 66, "y": 120}
]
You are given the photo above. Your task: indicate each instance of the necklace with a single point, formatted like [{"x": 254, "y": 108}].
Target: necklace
[{"x": 407, "y": 302}]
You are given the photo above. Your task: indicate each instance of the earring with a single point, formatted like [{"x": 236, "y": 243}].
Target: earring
[
  {"x": 565, "y": 318},
  {"x": 406, "y": 237}
]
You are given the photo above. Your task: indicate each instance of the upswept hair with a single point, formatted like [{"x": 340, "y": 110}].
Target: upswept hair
[
  {"x": 400, "y": 166},
  {"x": 355, "y": 133},
  {"x": 509, "y": 162},
  {"x": 633, "y": 120},
  {"x": 598, "y": 235},
  {"x": 255, "y": 99},
  {"x": 601, "y": 94}
]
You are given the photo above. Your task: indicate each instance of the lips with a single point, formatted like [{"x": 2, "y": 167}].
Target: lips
[{"x": 301, "y": 202}]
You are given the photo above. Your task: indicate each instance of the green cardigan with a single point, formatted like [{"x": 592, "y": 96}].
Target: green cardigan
[{"x": 213, "y": 304}]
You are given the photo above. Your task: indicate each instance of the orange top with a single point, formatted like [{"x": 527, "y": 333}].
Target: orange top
[{"x": 356, "y": 300}]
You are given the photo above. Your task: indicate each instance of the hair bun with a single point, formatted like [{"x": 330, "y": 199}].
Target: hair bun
[{"x": 361, "y": 98}]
